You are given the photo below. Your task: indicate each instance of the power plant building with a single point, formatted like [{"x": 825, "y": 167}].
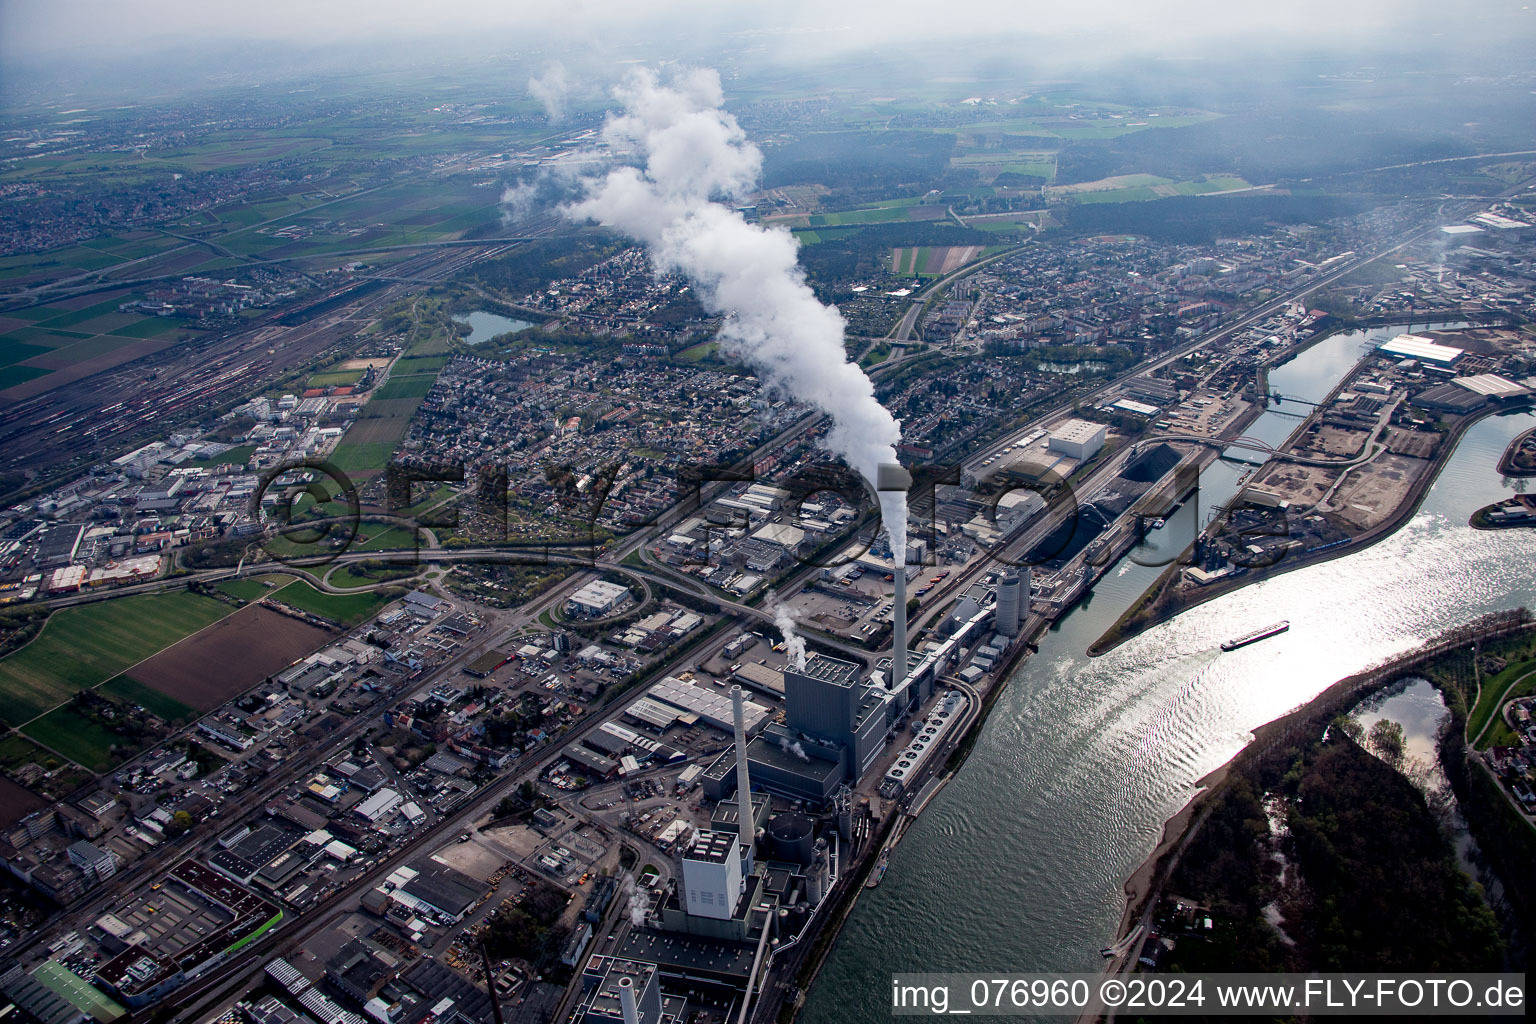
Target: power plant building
[
  {"x": 835, "y": 727},
  {"x": 713, "y": 875},
  {"x": 620, "y": 991}
]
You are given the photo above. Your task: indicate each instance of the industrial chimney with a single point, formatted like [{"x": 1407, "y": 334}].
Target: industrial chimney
[
  {"x": 895, "y": 478},
  {"x": 746, "y": 823},
  {"x": 490, "y": 976},
  {"x": 627, "y": 1000}
]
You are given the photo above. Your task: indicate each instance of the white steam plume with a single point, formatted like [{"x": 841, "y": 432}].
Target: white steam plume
[
  {"x": 794, "y": 643},
  {"x": 637, "y": 902},
  {"x": 551, "y": 89},
  {"x": 693, "y": 154},
  {"x": 793, "y": 748}
]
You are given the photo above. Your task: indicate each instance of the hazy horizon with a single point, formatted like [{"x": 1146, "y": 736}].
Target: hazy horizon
[{"x": 168, "y": 46}]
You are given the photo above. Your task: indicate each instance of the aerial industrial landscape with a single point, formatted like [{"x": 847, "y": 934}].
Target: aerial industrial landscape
[{"x": 690, "y": 529}]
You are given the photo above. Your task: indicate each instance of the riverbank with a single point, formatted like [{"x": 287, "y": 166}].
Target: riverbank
[
  {"x": 1143, "y": 888},
  {"x": 1507, "y": 466},
  {"x": 1159, "y": 604},
  {"x": 864, "y": 864}
]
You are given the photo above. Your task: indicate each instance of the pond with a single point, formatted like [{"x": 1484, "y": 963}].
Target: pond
[
  {"x": 1418, "y": 707},
  {"x": 484, "y": 326}
]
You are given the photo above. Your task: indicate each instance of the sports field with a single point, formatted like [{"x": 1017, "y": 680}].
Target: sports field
[
  {"x": 85, "y": 646},
  {"x": 334, "y": 378}
]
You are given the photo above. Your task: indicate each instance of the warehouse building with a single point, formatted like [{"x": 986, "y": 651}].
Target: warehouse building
[
  {"x": 589, "y": 763},
  {"x": 434, "y": 890},
  {"x": 379, "y": 806},
  {"x": 1449, "y": 398},
  {"x": 1414, "y": 346},
  {"x": 710, "y": 706},
  {"x": 1152, "y": 389},
  {"x": 1079, "y": 439},
  {"x": 596, "y": 599}
]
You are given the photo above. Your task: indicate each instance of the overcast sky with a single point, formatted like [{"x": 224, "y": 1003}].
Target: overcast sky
[
  {"x": 74, "y": 33},
  {"x": 53, "y": 25}
]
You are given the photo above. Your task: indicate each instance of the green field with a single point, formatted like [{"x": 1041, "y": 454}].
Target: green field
[
  {"x": 10, "y": 376},
  {"x": 356, "y": 575},
  {"x": 1214, "y": 183},
  {"x": 697, "y": 353},
  {"x": 334, "y": 379},
  {"x": 107, "y": 307},
  {"x": 16, "y": 750},
  {"x": 1136, "y": 188},
  {"x": 85, "y": 646},
  {"x": 878, "y": 215},
  {"x": 408, "y": 365},
  {"x": 369, "y": 457},
  {"x": 347, "y": 609},
  {"x": 1495, "y": 690},
  {"x": 78, "y": 738},
  {"x": 58, "y": 338},
  {"x": 238, "y": 455},
  {"x": 252, "y": 587},
  {"x": 411, "y": 386},
  {"x": 134, "y": 692},
  {"x": 1116, "y": 195},
  {"x": 370, "y": 442},
  {"x": 150, "y": 327},
  {"x": 371, "y": 538}
]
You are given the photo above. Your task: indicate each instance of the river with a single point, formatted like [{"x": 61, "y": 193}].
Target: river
[{"x": 1018, "y": 864}]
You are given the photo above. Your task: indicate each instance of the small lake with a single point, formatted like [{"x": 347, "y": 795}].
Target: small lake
[
  {"x": 485, "y": 326},
  {"x": 1418, "y": 708}
]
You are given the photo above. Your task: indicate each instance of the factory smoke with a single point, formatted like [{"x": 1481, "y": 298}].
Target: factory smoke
[
  {"x": 636, "y": 902},
  {"x": 793, "y": 748},
  {"x": 794, "y": 643},
  {"x": 691, "y": 155}
]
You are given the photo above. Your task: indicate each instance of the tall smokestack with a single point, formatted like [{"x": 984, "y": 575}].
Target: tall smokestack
[
  {"x": 893, "y": 482},
  {"x": 627, "y": 1001},
  {"x": 490, "y": 977},
  {"x": 745, "y": 821}
]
